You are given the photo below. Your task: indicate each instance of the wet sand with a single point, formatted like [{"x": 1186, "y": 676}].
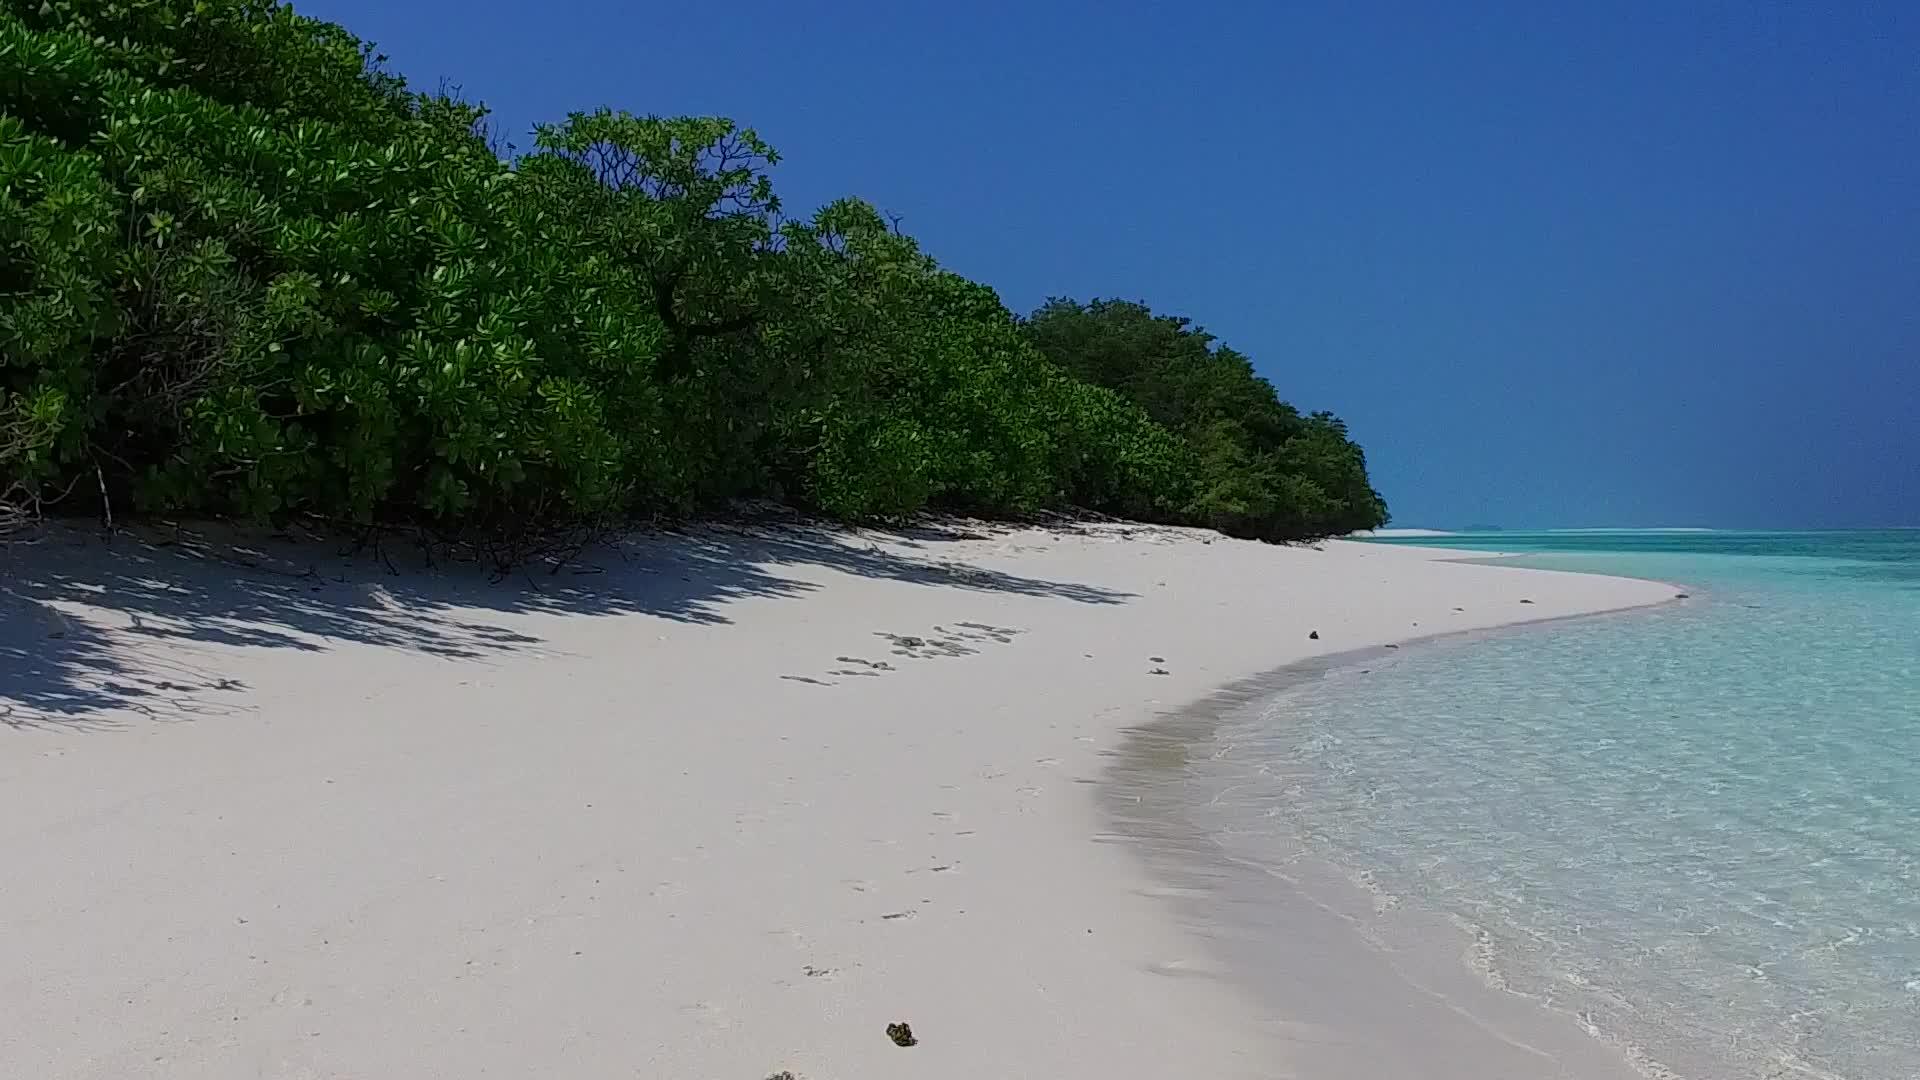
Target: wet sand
[
  {"x": 710, "y": 804},
  {"x": 1353, "y": 985}
]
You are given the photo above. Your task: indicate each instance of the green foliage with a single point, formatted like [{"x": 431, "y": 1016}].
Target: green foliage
[
  {"x": 1259, "y": 468},
  {"x": 244, "y": 271},
  {"x": 57, "y": 246}
]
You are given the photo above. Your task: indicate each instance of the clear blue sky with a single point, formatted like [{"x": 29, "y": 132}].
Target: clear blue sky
[{"x": 1636, "y": 264}]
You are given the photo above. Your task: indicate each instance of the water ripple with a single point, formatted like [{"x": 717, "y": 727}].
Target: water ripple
[{"x": 1697, "y": 831}]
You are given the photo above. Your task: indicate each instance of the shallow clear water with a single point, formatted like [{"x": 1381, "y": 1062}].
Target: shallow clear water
[{"x": 1697, "y": 828}]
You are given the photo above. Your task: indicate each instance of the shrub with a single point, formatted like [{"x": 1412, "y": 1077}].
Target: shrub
[{"x": 244, "y": 271}]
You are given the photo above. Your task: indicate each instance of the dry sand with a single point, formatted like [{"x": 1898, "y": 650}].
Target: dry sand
[{"x": 730, "y": 805}]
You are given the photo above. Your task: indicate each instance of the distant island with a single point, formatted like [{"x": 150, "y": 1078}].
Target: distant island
[{"x": 256, "y": 276}]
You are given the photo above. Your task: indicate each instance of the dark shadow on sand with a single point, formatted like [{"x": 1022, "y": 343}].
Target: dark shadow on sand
[{"x": 278, "y": 592}]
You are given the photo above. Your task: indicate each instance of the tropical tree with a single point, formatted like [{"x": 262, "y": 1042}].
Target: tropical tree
[
  {"x": 245, "y": 271},
  {"x": 1260, "y": 468}
]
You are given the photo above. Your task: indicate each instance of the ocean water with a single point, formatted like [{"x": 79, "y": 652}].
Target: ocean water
[{"x": 1697, "y": 829}]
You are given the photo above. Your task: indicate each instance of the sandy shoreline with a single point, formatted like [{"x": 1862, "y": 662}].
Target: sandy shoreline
[
  {"x": 1394, "y": 990},
  {"x": 730, "y": 804}
]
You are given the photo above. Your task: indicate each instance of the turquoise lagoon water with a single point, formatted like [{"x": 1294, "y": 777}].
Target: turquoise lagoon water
[{"x": 1696, "y": 828}]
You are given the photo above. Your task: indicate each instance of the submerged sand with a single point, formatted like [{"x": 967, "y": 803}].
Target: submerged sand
[{"x": 712, "y": 804}]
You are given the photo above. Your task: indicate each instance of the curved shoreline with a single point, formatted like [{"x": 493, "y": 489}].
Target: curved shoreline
[
  {"x": 722, "y": 802},
  {"x": 1390, "y": 962}
]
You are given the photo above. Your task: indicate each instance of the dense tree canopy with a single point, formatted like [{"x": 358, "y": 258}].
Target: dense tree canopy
[
  {"x": 243, "y": 271},
  {"x": 1260, "y": 468}
]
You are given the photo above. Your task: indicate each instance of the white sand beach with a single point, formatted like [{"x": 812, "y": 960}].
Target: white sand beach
[{"x": 713, "y": 805}]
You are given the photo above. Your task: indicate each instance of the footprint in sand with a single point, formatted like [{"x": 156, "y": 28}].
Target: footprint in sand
[
  {"x": 708, "y": 1014},
  {"x": 942, "y": 642},
  {"x": 921, "y": 648},
  {"x": 985, "y": 632}
]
